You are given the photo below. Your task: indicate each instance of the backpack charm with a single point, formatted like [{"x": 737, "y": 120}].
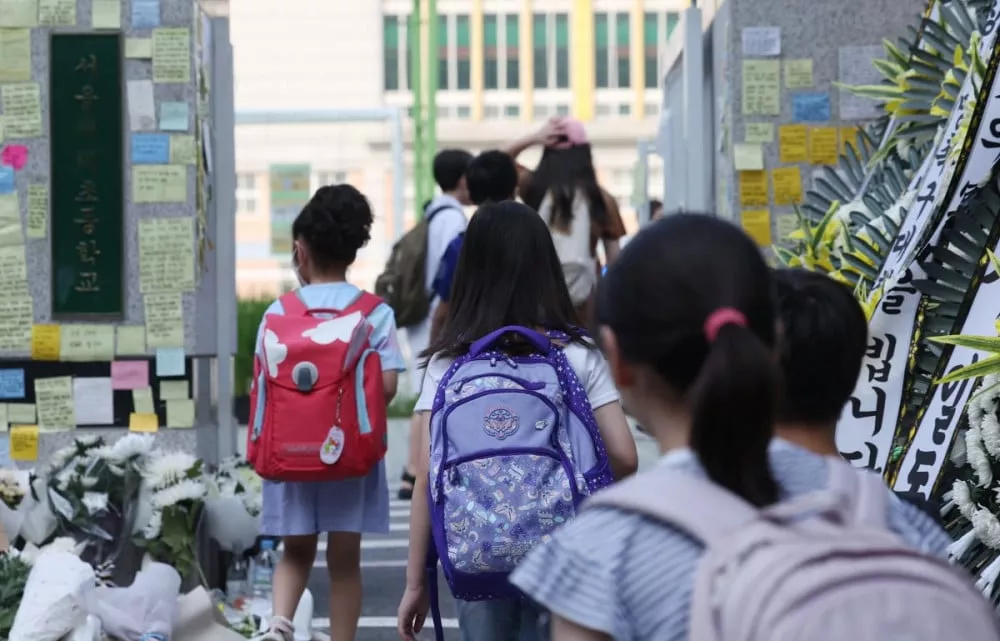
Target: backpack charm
[
  {"x": 333, "y": 446},
  {"x": 500, "y": 423}
]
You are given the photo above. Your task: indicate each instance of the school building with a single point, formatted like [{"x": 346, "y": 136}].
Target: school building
[{"x": 504, "y": 67}]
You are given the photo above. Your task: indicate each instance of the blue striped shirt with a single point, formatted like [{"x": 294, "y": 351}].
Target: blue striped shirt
[{"x": 630, "y": 577}]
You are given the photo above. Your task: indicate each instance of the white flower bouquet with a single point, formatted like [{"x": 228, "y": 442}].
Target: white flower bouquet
[
  {"x": 232, "y": 509},
  {"x": 11, "y": 491}
]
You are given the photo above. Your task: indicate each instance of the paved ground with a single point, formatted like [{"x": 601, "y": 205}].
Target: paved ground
[{"x": 384, "y": 559}]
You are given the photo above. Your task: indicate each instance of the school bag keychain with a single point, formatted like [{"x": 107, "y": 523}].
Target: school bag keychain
[
  {"x": 514, "y": 450},
  {"x": 317, "y": 402},
  {"x": 822, "y": 566}
]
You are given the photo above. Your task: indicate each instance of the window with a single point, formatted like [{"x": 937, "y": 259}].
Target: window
[
  {"x": 539, "y": 37},
  {"x": 542, "y": 111},
  {"x": 562, "y": 110},
  {"x": 512, "y": 111},
  {"x": 246, "y": 193},
  {"x": 602, "y": 77},
  {"x": 491, "y": 53},
  {"x": 491, "y": 111},
  {"x": 603, "y": 110},
  {"x": 246, "y": 205},
  {"x": 652, "y": 108},
  {"x": 562, "y": 50},
  {"x": 246, "y": 181},
  {"x": 673, "y": 18},
  {"x": 442, "y": 52},
  {"x": 651, "y": 49},
  {"x": 463, "y": 112},
  {"x": 512, "y": 40},
  {"x": 624, "y": 109},
  {"x": 622, "y": 33},
  {"x": 390, "y": 53},
  {"x": 325, "y": 178},
  {"x": 463, "y": 40}
]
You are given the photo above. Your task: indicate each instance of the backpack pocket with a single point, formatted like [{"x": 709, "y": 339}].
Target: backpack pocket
[{"x": 498, "y": 506}]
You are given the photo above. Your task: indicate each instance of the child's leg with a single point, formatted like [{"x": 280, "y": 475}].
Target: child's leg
[
  {"x": 292, "y": 574},
  {"x": 498, "y": 620},
  {"x": 534, "y": 623},
  {"x": 343, "y": 562}
]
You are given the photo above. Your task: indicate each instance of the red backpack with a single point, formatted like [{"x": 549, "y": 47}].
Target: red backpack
[{"x": 318, "y": 387}]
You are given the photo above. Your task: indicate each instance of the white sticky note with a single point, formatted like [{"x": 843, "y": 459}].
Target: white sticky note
[
  {"x": 93, "y": 400},
  {"x": 141, "y": 106}
]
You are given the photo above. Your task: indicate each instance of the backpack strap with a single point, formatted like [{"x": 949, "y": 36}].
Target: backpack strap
[
  {"x": 366, "y": 303},
  {"x": 696, "y": 505},
  {"x": 540, "y": 341},
  {"x": 292, "y": 304},
  {"x": 866, "y": 491}
]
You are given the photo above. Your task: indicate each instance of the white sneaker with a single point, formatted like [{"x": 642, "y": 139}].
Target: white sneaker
[{"x": 281, "y": 630}]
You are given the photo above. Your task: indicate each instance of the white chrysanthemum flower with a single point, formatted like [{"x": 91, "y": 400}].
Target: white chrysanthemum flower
[
  {"x": 88, "y": 440},
  {"x": 254, "y": 503},
  {"x": 988, "y": 577},
  {"x": 962, "y": 496},
  {"x": 957, "y": 549},
  {"x": 987, "y": 528},
  {"x": 975, "y": 413},
  {"x": 168, "y": 469},
  {"x": 65, "y": 477},
  {"x": 62, "y": 544},
  {"x": 61, "y": 457},
  {"x": 89, "y": 482},
  {"x": 153, "y": 527},
  {"x": 187, "y": 490},
  {"x": 977, "y": 457},
  {"x": 131, "y": 446},
  {"x": 95, "y": 502},
  {"x": 990, "y": 430}
]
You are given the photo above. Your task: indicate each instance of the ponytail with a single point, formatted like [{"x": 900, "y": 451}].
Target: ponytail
[{"x": 733, "y": 405}]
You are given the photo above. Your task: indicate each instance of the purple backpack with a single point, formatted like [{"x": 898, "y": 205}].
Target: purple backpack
[
  {"x": 822, "y": 566},
  {"x": 514, "y": 450}
]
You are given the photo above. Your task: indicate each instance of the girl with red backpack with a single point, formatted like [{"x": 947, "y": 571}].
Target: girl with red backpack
[{"x": 327, "y": 352}]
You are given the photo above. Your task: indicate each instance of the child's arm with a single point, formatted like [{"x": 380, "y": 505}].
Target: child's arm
[
  {"x": 390, "y": 382},
  {"x": 618, "y": 441},
  {"x": 420, "y": 518}
]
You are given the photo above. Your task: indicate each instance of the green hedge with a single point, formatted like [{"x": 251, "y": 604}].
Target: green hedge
[{"x": 249, "y": 312}]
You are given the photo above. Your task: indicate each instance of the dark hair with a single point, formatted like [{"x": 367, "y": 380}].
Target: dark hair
[
  {"x": 824, "y": 335},
  {"x": 561, "y": 172},
  {"x": 654, "y": 205},
  {"x": 656, "y": 299},
  {"x": 508, "y": 273},
  {"x": 491, "y": 176},
  {"x": 334, "y": 224},
  {"x": 449, "y": 168}
]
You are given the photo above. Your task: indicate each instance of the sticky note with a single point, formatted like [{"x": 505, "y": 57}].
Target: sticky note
[
  {"x": 164, "y": 318},
  {"x": 172, "y": 55},
  {"x": 15, "y": 55},
  {"x": 142, "y": 400},
  {"x": 173, "y": 390},
  {"x": 145, "y": 14},
  {"x": 787, "y": 185},
  {"x": 747, "y": 156},
  {"x": 130, "y": 340},
  {"x": 159, "y": 183},
  {"x": 141, "y": 48},
  {"x": 54, "y": 402},
  {"x": 810, "y": 107},
  {"x": 848, "y": 136},
  {"x": 38, "y": 210},
  {"x": 180, "y": 413},
  {"x": 129, "y": 375},
  {"x": 7, "y": 184},
  {"x": 753, "y": 188},
  {"x": 107, "y": 14},
  {"x": 15, "y": 156},
  {"x": 183, "y": 150},
  {"x": 150, "y": 149},
  {"x": 793, "y": 143},
  {"x": 57, "y": 13},
  {"x": 11, "y": 383},
  {"x": 823, "y": 146},
  {"x": 93, "y": 400},
  {"x": 143, "y": 422},
  {"x": 784, "y": 225},
  {"x": 170, "y": 361},
  {"x": 759, "y": 132},
  {"x": 174, "y": 116},
  {"x": 87, "y": 343},
  {"x": 21, "y": 413},
  {"x": 24, "y": 443},
  {"x": 761, "y": 88},
  {"x": 166, "y": 258},
  {"x": 141, "y": 106},
  {"x": 757, "y": 225},
  {"x": 22, "y": 110},
  {"x": 45, "y": 342},
  {"x": 798, "y": 74}
]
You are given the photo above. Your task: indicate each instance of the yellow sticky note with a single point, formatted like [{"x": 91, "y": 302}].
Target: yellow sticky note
[
  {"x": 87, "y": 343},
  {"x": 142, "y": 400},
  {"x": 141, "y": 48},
  {"x": 798, "y": 74},
  {"x": 159, "y": 184},
  {"x": 823, "y": 146},
  {"x": 130, "y": 340},
  {"x": 173, "y": 390},
  {"x": 18, "y": 13},
  {"x": 761, "y": 88},
  {"x": 21, "y": 413},
  {"x": 22, "y": 110},
  {"x": 848, "y": 136},
  {"x": 38, "y": 210},
  {"x": 183, "y": 150},
  {"x": 748, "y": 157},
  {"x": 759, "y": 132},
  {"x": 166, "y": 254},
  {"x": 793, "y": 143},
  {"x": 45, "y": 342},
  {"x": 757, "y": 225},
  {"x": 24, "y": 443},
  {"x": 753, "y": 188},
  {"x": 180, "y": 413},
  {"x": 787, "y": 185},
  {"x": 107, "y": 14},
  {"x": 164, "y": 320},
  {"x": 15, "y": 55},
  {"x": 143, "y": 422},
  {"x": 54, "y": 401},
  {"x": 172, "y": 56}
]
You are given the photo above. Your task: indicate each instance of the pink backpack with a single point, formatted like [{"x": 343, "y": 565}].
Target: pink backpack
[{"x": 821, "y": 566}]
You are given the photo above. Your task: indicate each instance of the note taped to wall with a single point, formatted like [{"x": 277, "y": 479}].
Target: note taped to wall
[
  {"x": 798, "y": 74},
  {"x": 823, "y": 146},
  {"x": 748, "y": 157},
  {"x": 166, "y": 254},
  {"x": 759, "y": 132},
  {"x": 11, "y": 384},
  {"x": 159, "y": 184},
  {"x": 753, "y": 188},
  {"x": 24, "y": 443},
  {"x": 38, "y": 210},
  {"x": 22, "y": 110},
  {"x": 87, "y": 343},
  {"x": 164, "y": 320},
  {"x": 54, "y": 400},
  {"x": 141, "y": 48},
  {"x": 143, "y": 422},
  {"x": 172, "y": 55},
  {"x": 761, "y": 88},
  {"x": 130, "y": 340},
  {"x": 787, "y": 185},
  {"x": 142, "y": 401},
  {"x": 180, "y": 413},
  {"x": 793, "y": 143},
  {"x": 45, "y": 342},
  {"x": 15, "y": 55},
  {"x": 757, "y": 224}
]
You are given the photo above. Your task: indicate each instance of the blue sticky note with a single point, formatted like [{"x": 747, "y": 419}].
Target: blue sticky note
[
  {"x": 11, "y": 384},
  {"x": 7, "y": 184},
  {"x": 150, "y": 149},
  {"x": 811, "y": 107},
  {"x": 174, "y": 116},
  {"x": 145, "y": 14},
  {"x": 170, "y": 361}
]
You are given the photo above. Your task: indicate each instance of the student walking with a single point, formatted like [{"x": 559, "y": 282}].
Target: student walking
[
  {"x": 519, "y": 421},
  {"x": 327, "y": 235},
  {"x": 712, "y": 544}
]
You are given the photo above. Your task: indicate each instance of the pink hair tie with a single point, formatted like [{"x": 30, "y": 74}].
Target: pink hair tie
[{"x": 720, "y": 318}]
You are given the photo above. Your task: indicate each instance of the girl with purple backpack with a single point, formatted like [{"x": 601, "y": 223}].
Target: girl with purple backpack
[{"x": 520, "y": 422}]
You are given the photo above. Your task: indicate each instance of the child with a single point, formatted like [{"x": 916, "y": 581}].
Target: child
[
  {"x": 508, "y": 275},
  {"x": 327, "y": 235}
]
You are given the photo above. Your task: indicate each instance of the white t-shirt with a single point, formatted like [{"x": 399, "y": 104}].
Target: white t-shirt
[{"x": 589, "y": 365}]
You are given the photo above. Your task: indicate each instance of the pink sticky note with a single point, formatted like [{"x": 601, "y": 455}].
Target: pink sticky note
[
  {"x": 129, "y": 374},
  {"x": 15, "y": 156}
]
